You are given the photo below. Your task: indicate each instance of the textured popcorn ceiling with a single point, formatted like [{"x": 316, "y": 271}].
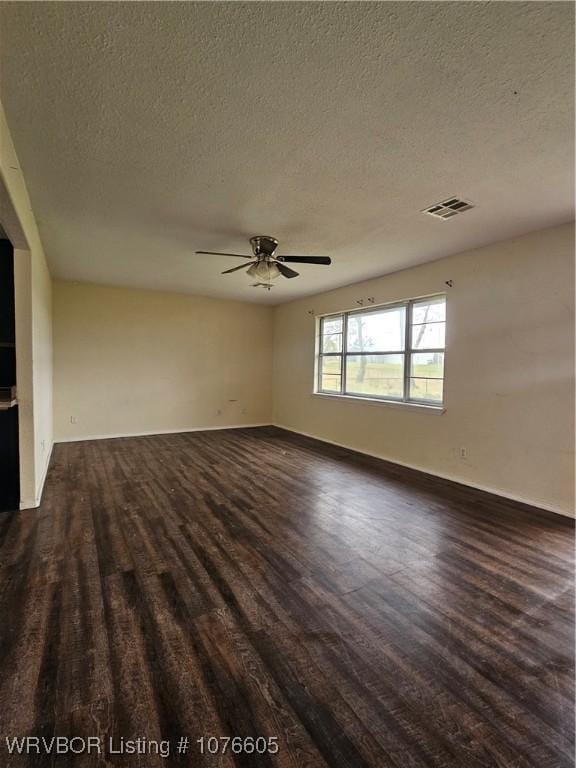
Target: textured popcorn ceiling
[{"x": 148, "y": 130}]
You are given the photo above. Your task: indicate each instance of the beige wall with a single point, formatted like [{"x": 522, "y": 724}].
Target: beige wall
[
  {"x": 33, "y": 323},
  {"x": 509, "y": 371},
  {"x": 135, "y": 362}
]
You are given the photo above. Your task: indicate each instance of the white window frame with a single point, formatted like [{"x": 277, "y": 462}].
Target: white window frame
[{"x": 406, "y": 353}]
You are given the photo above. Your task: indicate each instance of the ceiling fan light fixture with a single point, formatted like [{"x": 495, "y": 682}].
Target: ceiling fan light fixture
[{"x": 264, "y": 270}]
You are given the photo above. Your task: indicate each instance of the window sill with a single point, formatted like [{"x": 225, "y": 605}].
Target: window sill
[{"x": 437, "y": 410}]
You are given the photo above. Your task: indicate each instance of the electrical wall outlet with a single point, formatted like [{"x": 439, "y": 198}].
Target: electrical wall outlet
[
  {"x": 72, "y": 419},
  {"x": 463, "y": 452}
]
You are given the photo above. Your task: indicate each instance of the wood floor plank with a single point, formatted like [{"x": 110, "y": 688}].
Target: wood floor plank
[{"x": 254, "y": 582}]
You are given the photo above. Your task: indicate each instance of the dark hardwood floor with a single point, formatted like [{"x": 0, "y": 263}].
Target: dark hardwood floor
[{"x": 256, "y": 583}]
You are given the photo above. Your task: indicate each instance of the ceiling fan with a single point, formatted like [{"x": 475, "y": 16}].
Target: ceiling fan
[{"x": 265, "y": 265}]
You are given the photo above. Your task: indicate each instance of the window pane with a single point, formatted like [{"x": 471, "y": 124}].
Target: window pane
[
  {"x": 375, "y": 375},
  {"x": 332, "y": 324},
  {"x": 429, "y": 310},
  {"x": 332, "y": 342},
  {"x": 428, "y": 336},
  {"x": 330, "y": 383},
  {"x": 428, "y": 365},
  {"x": 331, "y": 365},
  {"x": 381, "y": 330},
  {"x": 427, "y": 389}
]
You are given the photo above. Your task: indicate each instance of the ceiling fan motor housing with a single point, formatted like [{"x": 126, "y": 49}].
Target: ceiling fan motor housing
[{"x": 264, "y": 245}]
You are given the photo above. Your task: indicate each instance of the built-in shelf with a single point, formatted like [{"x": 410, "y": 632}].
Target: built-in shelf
[{"x": 7, "y": 344}]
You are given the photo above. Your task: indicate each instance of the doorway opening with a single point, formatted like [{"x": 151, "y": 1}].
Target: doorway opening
[{"x": 9, "y": 449}]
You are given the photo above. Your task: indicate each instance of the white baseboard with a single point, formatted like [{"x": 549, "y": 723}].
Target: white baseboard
[
  {"x": 113, "y": 436},
  {"x": 33, "y": 503},
  {"x": 452, "y": 478},
  {"x": 29, "y": 503}
]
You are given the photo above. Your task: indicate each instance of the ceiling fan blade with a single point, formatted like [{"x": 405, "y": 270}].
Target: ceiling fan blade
[
  {"x": 218, "y": 253},
  {"x": 235, "y": 269},
  {"x": 306, "y": 259},
  {"x": 286, "y": 271}
]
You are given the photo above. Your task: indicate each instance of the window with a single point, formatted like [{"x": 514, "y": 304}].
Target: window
[{"x": 393, "y": 352}]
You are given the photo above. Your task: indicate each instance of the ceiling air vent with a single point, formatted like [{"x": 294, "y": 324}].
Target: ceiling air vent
[{"x": 448, "y": 208}]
